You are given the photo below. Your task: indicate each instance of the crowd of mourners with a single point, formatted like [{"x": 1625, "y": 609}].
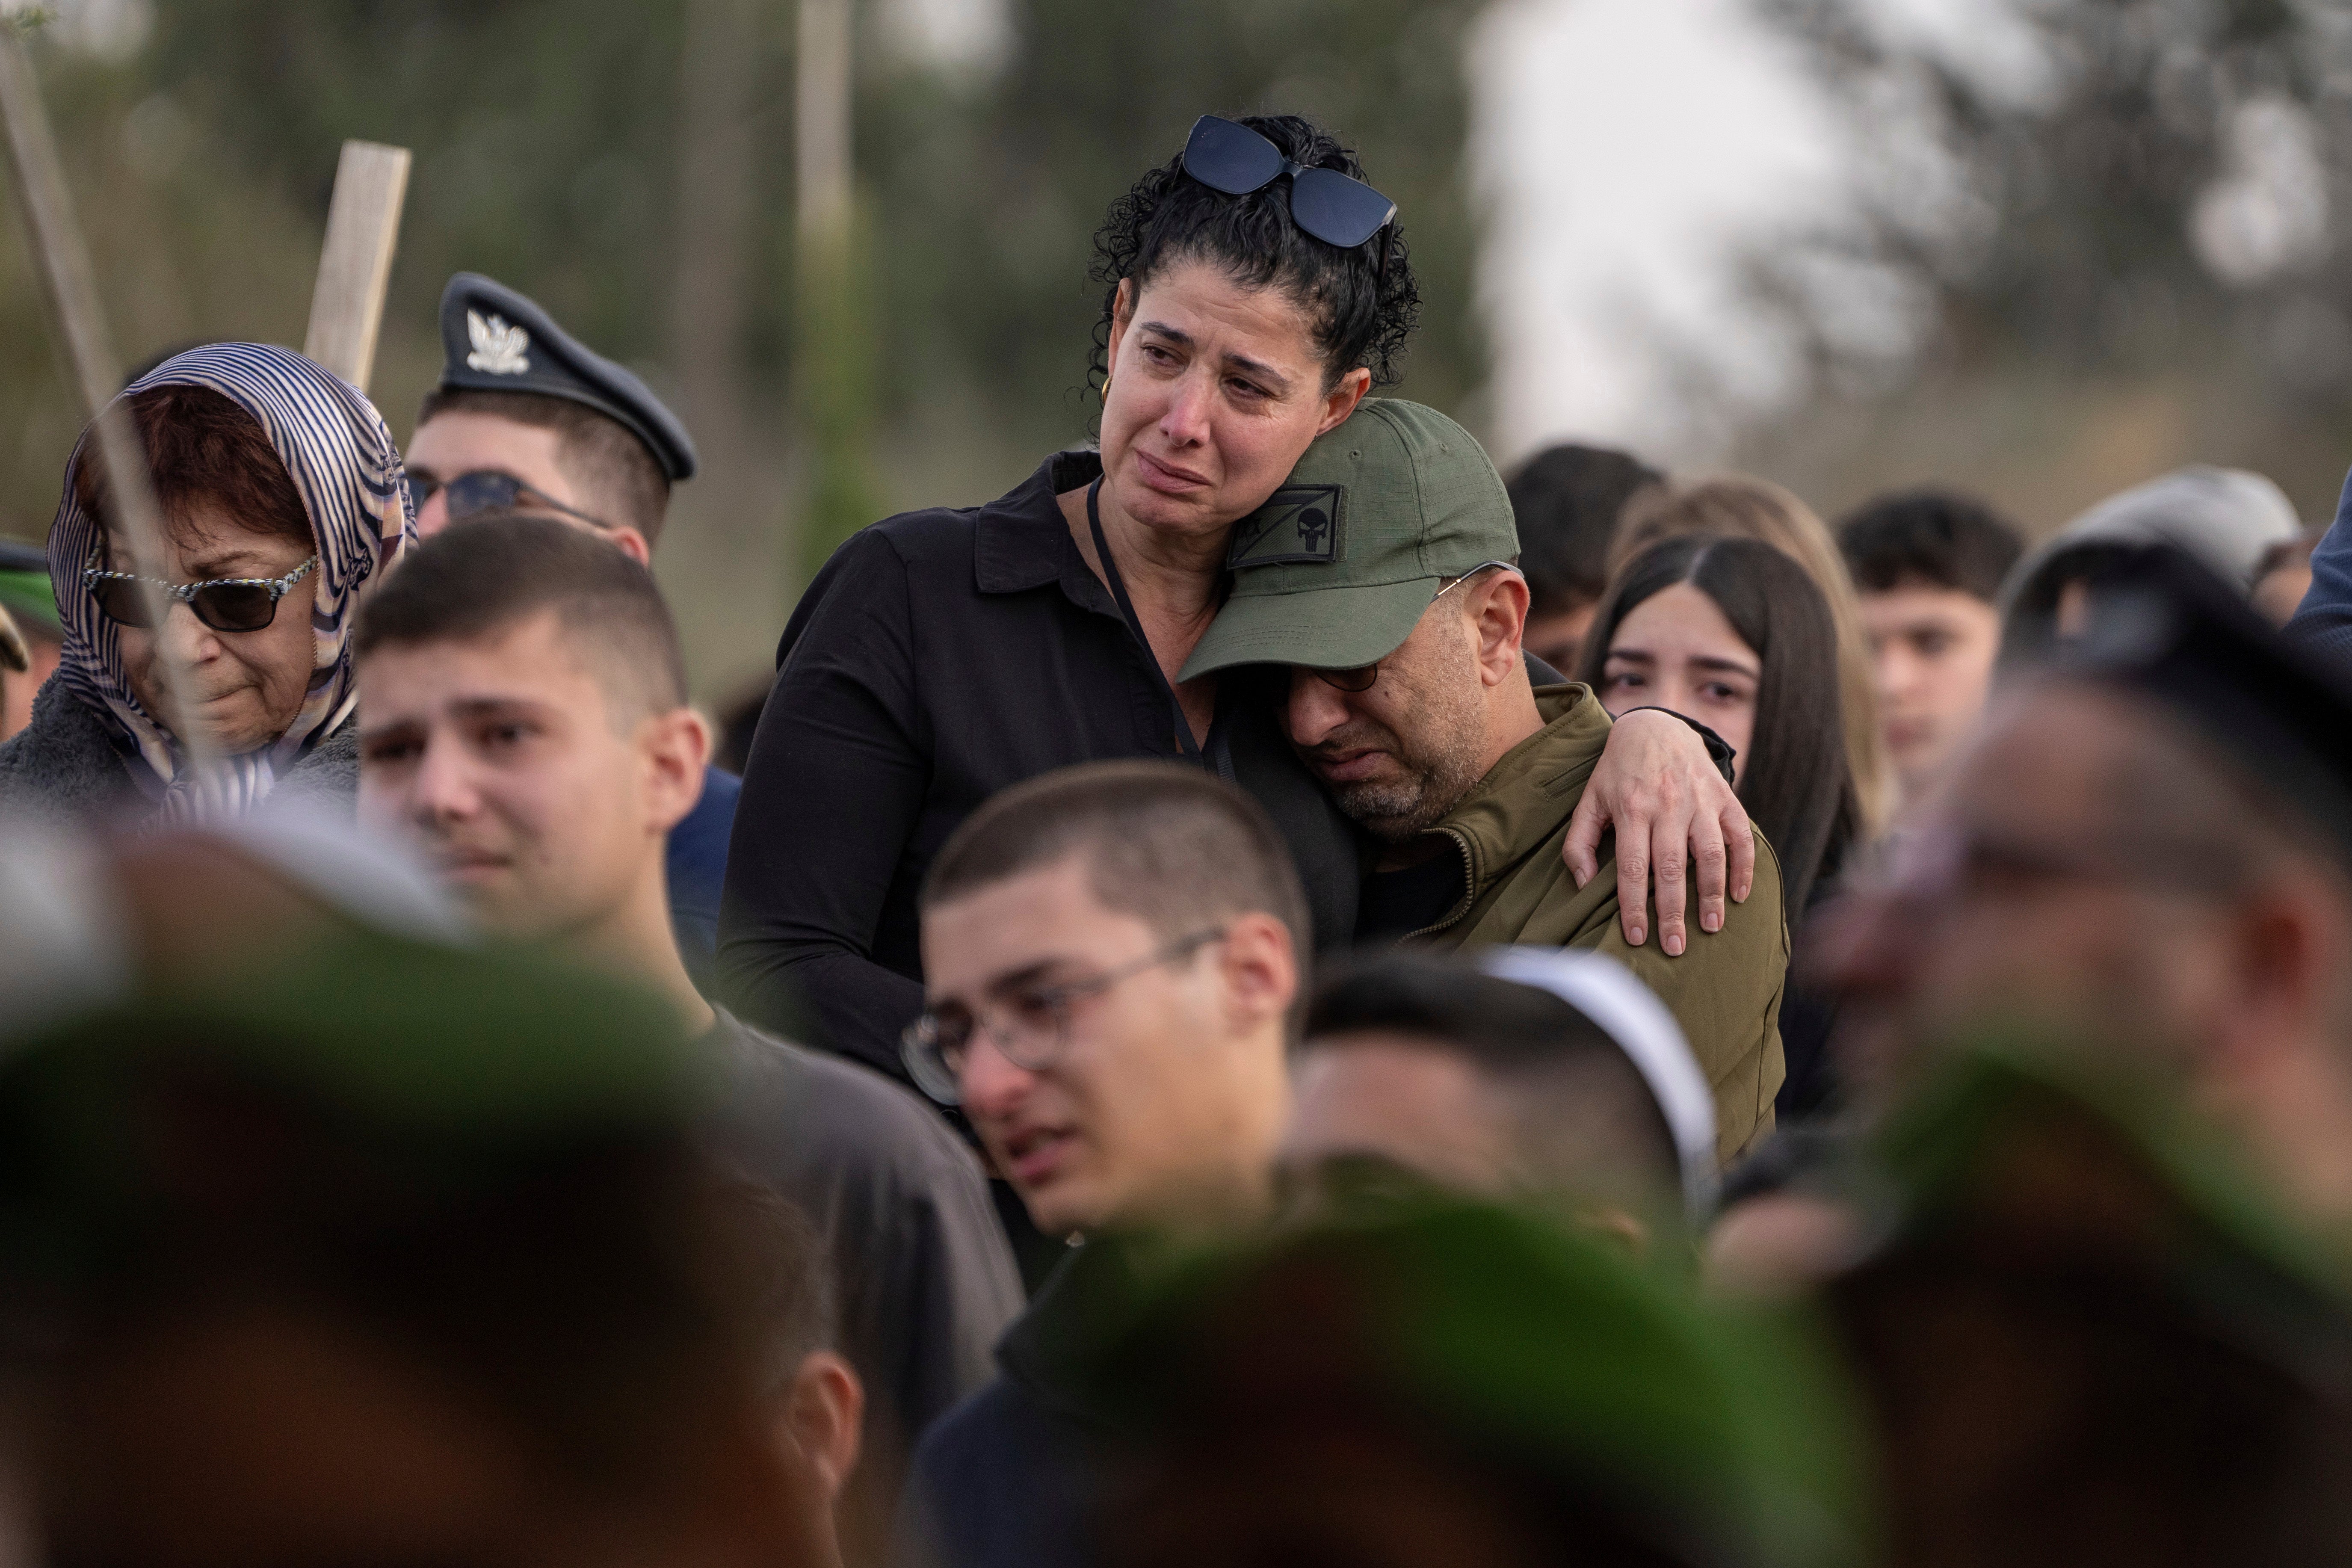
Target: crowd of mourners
[{"x": 1271, "y": 996}]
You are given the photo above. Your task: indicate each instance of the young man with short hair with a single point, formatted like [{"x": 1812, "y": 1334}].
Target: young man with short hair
[
  {"x": 1408, "y": 698},
  {"x": 525, "y": 419},
  {"x": 1110, "y": 966},
  {"x": 1928, "y": 566},
  {"x": 526, "y": 728}
]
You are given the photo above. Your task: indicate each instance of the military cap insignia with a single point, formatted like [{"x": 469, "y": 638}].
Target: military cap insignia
[
  {"x": 1298, "y": 523},
  {"x": 499, "y": 346}
]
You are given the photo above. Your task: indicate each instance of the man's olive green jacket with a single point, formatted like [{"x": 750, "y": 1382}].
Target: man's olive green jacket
[{"x": 1724, "y": 990}]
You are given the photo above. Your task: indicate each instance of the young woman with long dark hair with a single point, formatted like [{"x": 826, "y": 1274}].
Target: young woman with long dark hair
[{"x": 1734, "y": 634}]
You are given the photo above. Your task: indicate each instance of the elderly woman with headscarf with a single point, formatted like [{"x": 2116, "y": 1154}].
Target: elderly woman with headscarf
[{"x": 281, "y": 507}]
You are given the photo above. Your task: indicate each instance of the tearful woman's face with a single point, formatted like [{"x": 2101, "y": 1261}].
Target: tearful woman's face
[
  {"x": 1216, "y": 391},
  {"x": 235, "y": 691}
]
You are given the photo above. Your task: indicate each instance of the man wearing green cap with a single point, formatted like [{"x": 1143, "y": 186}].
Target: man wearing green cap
[{"x": 1383, "y": 573}]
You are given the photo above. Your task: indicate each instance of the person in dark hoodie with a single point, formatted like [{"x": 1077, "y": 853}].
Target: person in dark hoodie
[{"x": 282, "y": 510}]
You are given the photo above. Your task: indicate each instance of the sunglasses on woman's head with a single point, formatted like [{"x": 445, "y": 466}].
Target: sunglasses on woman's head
[
  {"x": 224, "y": 604},
  {"x": 1336, "y": 208},
  {"x": 486, "y": 490}
]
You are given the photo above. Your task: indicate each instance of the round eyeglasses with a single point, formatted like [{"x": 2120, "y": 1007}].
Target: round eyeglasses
[
  {"x": 1031, "y": 1026},
  {"x": 1363, "y": 677},
  {"x": 224, "y": 604}
]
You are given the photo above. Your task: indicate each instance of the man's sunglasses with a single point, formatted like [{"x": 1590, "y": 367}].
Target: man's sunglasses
[
  {"x": 1336, "y": 208},
  {"x": 487, "y": 492},
  {"x": 224, "y": 604}
]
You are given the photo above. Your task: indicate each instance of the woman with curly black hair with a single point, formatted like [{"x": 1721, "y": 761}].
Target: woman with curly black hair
[{"x": 1255, "y": 287}]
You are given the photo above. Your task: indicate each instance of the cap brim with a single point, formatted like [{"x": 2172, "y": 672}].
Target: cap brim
[{"x": 1321, "y": 628}]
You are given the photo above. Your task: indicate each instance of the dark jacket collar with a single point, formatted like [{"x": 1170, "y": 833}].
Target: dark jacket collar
[
  {"x": 1020, "y": 541},
  {"x": 1092, "y": 1298}
]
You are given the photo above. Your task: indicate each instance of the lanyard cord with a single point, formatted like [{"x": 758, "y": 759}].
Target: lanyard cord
[{"x": 1134, "y": 623}]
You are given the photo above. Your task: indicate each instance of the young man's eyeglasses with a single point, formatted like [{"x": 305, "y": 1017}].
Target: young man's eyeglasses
[
  {"x": 484, "y": 490},
  {"x": 224, "y": 604},
  {"x": 1031, "y": 1028},
  {"x": 1336, "y": 208},
  {"x": 1364, "y": 676}
]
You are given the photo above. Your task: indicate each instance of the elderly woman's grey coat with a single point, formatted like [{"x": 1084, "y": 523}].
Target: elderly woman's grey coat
[{"x": 64, "y": 764}]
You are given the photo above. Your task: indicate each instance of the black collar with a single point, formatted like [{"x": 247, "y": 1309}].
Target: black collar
[{"x": 1020, "y": 540}]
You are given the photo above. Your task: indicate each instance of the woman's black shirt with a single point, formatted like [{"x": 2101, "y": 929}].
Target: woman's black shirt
[{"x": 939, "y": 656}]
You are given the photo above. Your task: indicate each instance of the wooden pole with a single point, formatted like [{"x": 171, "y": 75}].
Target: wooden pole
[
  {"x": 67, "y": 281},
  {"x": 355, "y": 264}
]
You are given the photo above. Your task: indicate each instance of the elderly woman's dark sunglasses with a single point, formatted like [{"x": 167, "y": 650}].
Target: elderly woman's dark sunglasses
[
  {"x": 1336, "y": 208},
  {"x": 224, "y": 604}
]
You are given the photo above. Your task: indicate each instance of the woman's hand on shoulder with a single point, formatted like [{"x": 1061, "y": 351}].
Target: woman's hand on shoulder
[{"x": 1658, "y": 788}]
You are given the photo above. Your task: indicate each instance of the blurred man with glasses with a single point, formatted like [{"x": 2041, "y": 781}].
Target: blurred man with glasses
[
  {"x": 1410, "y": 697},
  {"x": 525, "y": 419},
  {"x": 2144, "y": 857},
  {"x": 524, "y": 726},
  {"x": 1111, "y": 970}
]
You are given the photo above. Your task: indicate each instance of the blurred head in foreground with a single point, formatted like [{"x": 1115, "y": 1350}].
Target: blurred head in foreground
[
  {"x": 1928, "y": 567},
  {"x": 1432, "y": 1382},
  {"x": 1109, "y": 957},
  {"x": 1567, "y": 500},
  {"x": 1540, "y": 1075},
  {"x": 405, "y": 1255},
  {"x": 2146, "y": 850},
  {"x": 2086, "y": 1338}
]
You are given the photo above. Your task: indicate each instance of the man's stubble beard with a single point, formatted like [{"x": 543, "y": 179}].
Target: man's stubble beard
[{"x": 1440, "y": 759}]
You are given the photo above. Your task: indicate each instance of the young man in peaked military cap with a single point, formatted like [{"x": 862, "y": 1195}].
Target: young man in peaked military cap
[
  {"x": 527, "y": 418},
  {"x": 1384, "y": 574}
]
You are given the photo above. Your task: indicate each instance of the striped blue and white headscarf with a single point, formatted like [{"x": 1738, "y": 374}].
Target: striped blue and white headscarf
[{"x": 348, "y": 473}]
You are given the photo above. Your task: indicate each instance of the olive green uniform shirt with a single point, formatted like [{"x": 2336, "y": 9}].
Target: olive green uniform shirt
[{"x": 1725, "y": 989}]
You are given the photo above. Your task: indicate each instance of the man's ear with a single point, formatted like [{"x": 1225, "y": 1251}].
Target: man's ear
[
  {"x": 1341, "y": 400},
  {"x": 675, "y": 746},
  {"x": 824, "y": 1418},
  {"x": 1261, "y": 964},
  {"x": 633, "y": 545},
  {"x": 2284, "y": 983},
  {"x": 1500, "y": 619}
]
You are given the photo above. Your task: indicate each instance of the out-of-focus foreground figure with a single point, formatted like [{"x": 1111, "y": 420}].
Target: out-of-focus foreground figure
[
  {"x": 386, "y": 1252},
  {"x": 2086, "y": 1334},
  {"x": 1426, "y": 1383},
  {"x": 2147, "y": 851}
]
